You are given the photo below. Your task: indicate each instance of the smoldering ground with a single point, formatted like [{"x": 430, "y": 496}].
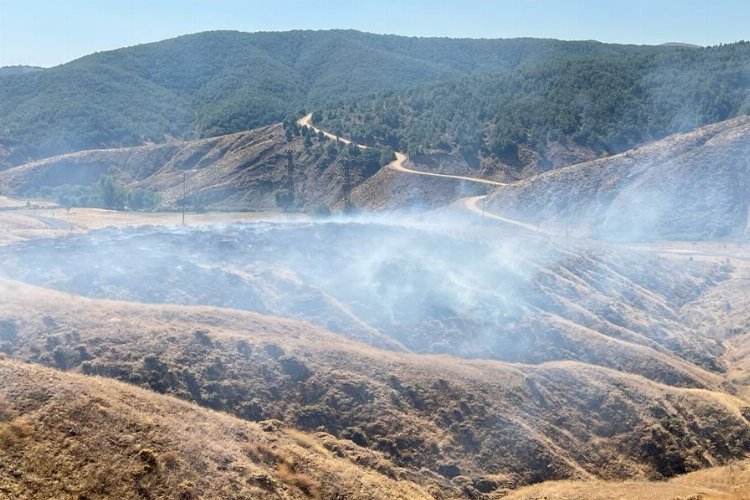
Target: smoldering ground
[{"x": 426, "y": 284}]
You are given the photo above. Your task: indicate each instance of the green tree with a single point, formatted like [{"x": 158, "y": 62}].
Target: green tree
[
  {"x": 142, "y": 199},
  {"x": 386, "y": 156},
  {"x": 112, "y": 195}
]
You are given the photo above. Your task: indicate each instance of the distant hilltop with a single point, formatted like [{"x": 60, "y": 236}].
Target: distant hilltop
[
  {"x": 681, "y": 44},
  {"x": 18, "y": 70}
]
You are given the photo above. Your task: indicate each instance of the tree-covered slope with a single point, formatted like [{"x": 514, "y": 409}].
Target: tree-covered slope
[
  {"x": 220, "y": 82},
  {"x": 606, "y": 102},
  {"x": 17, "y": 69}
]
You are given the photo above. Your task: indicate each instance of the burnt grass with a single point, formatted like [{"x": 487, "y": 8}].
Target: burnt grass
[
  {"x": 425, "y": 290},
  {"x": 609, "y": 396}
]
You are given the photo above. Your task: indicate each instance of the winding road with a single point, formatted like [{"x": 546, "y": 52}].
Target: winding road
[
  {"x": 472, "y": 205},
  {"x": 398, "y": 163},
  {"x": 469, "y": 203}
]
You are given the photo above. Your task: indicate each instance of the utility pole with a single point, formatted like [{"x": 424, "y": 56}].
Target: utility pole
[
  {"x": 184, "y": 200},
  {"x": 347, "y": 186},
  {"x": 290, "y": 174}
]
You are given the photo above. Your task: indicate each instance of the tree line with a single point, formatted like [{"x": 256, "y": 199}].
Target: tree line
[
  {"x": 106, "y": 193},
  {"x": 607, "y": 103}
]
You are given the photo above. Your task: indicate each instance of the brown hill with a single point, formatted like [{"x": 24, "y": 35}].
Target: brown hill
[
  {"x": 241, "y": 171},
  {"x": 67, "y": 436},
  {"x": 688, "y": 186},
  {"x": 393, "y": 190},
  {"x": 487, "y": 425},
  {"x": 720, "y": 483},
  {"x": 424, "y": 288}
]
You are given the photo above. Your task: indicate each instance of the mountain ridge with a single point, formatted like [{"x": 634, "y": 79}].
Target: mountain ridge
[{"x": 213, "y": 83}]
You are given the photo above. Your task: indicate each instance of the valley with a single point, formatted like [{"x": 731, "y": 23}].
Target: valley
[{"x": 239, "y": 296}]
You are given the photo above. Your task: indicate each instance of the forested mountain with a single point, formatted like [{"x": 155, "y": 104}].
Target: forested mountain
[
  {"x": 605, "y": 102},
  {"x": 213, "y": 83},
  {"x": 17, "y": 70}
]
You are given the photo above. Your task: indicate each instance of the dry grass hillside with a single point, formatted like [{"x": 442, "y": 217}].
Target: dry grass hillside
[
  {"x": 430, "y": 354},
  {"x": 487, "y": 426},
  {"x": 392, "y": 190},
  {"x": 730, "y": 482},
  {"x": 241, "y": 171},
  {"x": 605, "y": 306},
  {"x": 66, "y": 436},
  {"x": 687, "y": 186},
  {"x": 721, "y": 483}
]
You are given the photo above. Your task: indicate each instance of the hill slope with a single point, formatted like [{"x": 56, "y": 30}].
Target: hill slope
[
  {"x": 66, "y": 436},
  {"x": 241, "y": 171},
  {"x": 547, "y": 116},
  {"x": 215, "y": 83},
  {"x": 496, "y": 424},
  {"x": 721, "y": 483},
  {"x": 596, "y": 305},
  {"x": 690, "y": 186}
]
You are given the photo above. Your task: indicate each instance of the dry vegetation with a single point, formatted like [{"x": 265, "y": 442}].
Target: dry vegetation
[
  {"x": 487, "y": 426},
  {"x": 241, "y": 171},
  {"x": 68, "y": 436},
  {"x": 687, "y": 186},
  {"x": 627, "y": 365},
  {"x": 43, "y": 222},
  {"x": 720, "y": 483},
  {"x": 598, "y": 305}
]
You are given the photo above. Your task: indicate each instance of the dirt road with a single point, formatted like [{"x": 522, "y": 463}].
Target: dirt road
[
  {"x": 472, "y": 202},
  {"x": 306, "y": 121},
  {"x": 398, "y": 163}
]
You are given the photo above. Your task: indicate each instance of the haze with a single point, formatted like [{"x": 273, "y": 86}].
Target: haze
[{"x": 268, "y": 262}]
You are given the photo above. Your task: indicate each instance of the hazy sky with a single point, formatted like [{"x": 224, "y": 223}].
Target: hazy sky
[{"x": 49, "y": 32}]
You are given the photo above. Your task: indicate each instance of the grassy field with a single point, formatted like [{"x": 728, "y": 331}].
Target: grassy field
[
  {"x": 23, "y": 224},
  {"x": 66, "y": 436}
]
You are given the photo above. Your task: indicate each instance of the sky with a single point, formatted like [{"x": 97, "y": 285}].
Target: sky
[{"x": 51, "y": 32}]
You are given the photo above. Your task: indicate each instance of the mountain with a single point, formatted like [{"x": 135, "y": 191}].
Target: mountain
[
  {"x": 18, "y": 70},
  {"x": 563, "y": 333},
  {"x": 681, "y": 44},
  {"x": 215, "y": 83},
  {"x": 686, "y": 187},
  {"x": 544, "y": 116}
]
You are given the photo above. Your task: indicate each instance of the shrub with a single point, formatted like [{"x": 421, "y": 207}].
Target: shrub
[
  {"x": 187, "y": 490},
  {"x": 87, "y": 368},
  {"x": 142, "y": 199},
  {"x": 301, "y": 481},
  {"x": 83, "y": 353},
  {"x": 60, "y": 358},
  {"x": 6, "y": 409},
  {"x": 320, "y": 211},
  {"x": 11, "y": 434},
  {"x": 202, "y": 337},
  {"x": 295, "y": 368},
  {"x": 170, "y": 459},
  {"x": 149, "y": 460}
]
